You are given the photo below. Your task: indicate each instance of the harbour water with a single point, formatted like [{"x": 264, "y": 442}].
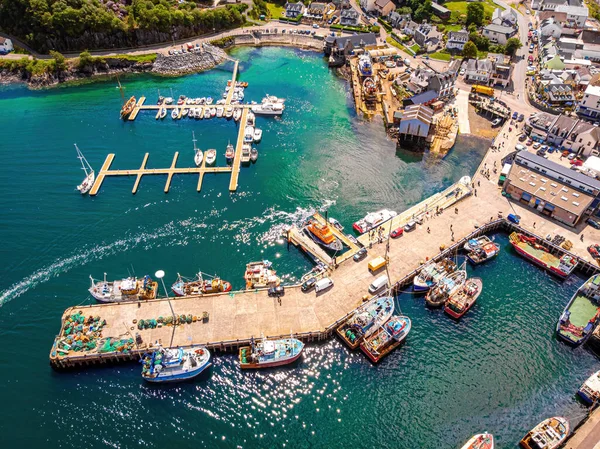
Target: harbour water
[{"x": 500, "y": 369}]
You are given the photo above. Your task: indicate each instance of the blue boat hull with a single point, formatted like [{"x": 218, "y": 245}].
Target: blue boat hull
[
  {"x": 421, "y": 288},
  {"x": 585, "y": 398},
  {"x": 179, "y": 377}
]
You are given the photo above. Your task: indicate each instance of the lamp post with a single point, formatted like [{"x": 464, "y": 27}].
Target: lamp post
[{"x": 160, "y": 274}]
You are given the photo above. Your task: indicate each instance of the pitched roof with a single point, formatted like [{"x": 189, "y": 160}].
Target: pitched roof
[
  {"x": 499, "y": 29},
  {"x": 425, "y": 97},
  {"x": 419, "y": 112},
  {"x": 382, "y": 3}
]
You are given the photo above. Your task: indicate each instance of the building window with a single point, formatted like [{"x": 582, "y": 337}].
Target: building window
[
  {"x": 543, "y": 171},
  {"x": 560, "y": 178}
]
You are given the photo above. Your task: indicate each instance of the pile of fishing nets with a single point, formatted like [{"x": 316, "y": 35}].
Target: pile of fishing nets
[
  {"x": 167, "y": 321},
  {"x": 123, "y": 345},
  {"x": 80, "y": 333}
]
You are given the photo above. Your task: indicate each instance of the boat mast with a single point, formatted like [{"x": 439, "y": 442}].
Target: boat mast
[
  {"x": 194, "y": 140},
  {"x": 121, "y": 89},
  {"x": 84, "y": 161}
]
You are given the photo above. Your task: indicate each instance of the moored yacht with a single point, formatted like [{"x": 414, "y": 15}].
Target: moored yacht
[{"x": 373, "y": 219}]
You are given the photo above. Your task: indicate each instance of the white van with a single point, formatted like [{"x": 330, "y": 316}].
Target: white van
[
  {"x": 378, "y": 283},
  {"x": 323, "y": 284}
]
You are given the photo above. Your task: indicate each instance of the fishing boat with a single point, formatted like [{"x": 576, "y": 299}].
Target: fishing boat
[
  {"x": 365, "y": 66},
  {"x": 253, "y": 154},
  {"x": 174, "y": 365},
  {"x": 197, "y": 152},
  {"x": 386, "y": 338},
  {"x": 463, "y": 299},
  {"x": 211, "y": 156},
  {"x": 590, "y": 390},
  {"x": 163, "y": 113},
  {"x": 549, "y": 434},
  {"x": 367, "y": 319},
  {"x": 128, "y": 289},
  {"x": 90, "y": 175},
  {"x": 480, "y": 441},
  {"x": 199, "y": 286},
  {"x": 582, "y": 313},
  {"x": 270, "y": 353},
  {"x": 369, "y": 87},
  {"x": 373, "y": 219},
  {"x": 257, "y": 135},
  {"x": 431, "y": 274},
  {"x": 272, "y": 99},
  {"x": 475, "y": 243},
  {"x": 220, "y": 111},
  {"x": 246, "y": 150},
  {"x": 529, "y": 248},
  {"x": 175, "y": 113},
  {"x": 249, "y": 134},
  {"x": 229, "y": 153},
  {"x": 483, "y": 253},
  {"x": 261, "y": 275},
  {"x": 272, "y": 109},
  {"x": 336, "y": 224},
  {"x": 438, "y": 295},
  {"x": 322, "y": 235},
  {"x": 128, "y": 108},
  {"x": 237, "y": 114}
]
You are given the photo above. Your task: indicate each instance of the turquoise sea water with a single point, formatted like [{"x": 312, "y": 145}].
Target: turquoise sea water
[{"x": 500, "y": 369}]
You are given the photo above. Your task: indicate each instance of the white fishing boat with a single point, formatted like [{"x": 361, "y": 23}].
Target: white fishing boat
[
  {"x": 257, "y": 134},
  {"x": 251, "y": 118},
  {"x": 246, "y": 153},
  {"x": 271, "y": 109},
  {"x": 211, "y": 156},
  {"x": 237, "y": 114},
  {"x": 477, "y": 242},
  {"x": 128, "y": 289},
  {"x": 249, "y": 134},
  {"x": 549, "y": 434},
  {"x": 220, "y": 111},
  {"x": 175, "y": 114},
  {"x": 590, "y": 390},
  {"x": 175, "y": 365},
  {"x": 197, "y": 152},
  {"x": 253, "y": 154},
  {"x": 90, "y": 175},
  {"x": 272, "y": 99}
]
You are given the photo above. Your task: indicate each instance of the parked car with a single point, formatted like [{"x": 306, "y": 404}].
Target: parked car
[
  {"x": 536, "y": 145},
  {"x": 540, "y": 152},
  {"x": 397, "y": 232},
  {"x": 576, "y": 163},
  {"x": 410, "y": 226},
  {"x": 276, "y": 291},
  {"x": 520, "y": 147},
  {"x": 550, "y": 149},
  {"x": 522, "y": 137},
  {"x": 315, "y": 25},
  {"x": 462, "y": 72},
  {"x": 360, "y": 255},
  {"x": 571, "y": 156},
  {"x": 544, "y": 147},
  {"x": 521, "y": 118},
  {"x": 515, "y": 115},
  {"x": 529, "y": 141},
  {"x": 323, "y": 284},
  {"x": 496, "y": 121},
  {"x": 593, "y": 223},
  {"x": 308, "y": 285},
  {"x": 513, "y": 218}
]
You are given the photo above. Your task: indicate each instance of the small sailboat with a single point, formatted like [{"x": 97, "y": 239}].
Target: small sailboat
[
  {"x": 253, "y": 154},
  {"x": 257, "y": 135},
  {"x": 175, "y": 365},
  {"x": 185, "y": 112},
  {"x": 168, "y": 100},
  {"x": 211, "y": 156},
  {"x": 163, "y": 113},
  {"x": 229, "y": 153},
  {"x": 480, "y": 441},
  {"x": 206, "y": 113},
  {"x": 175, "y": 113},
  {"x": 128, "y": 107},
  {"x": 90, "y": 175},
  {"x": 237, "y": 114},
  {"x": 228, "y": 112},
  {"x": 220, "y": 111},
  {"x": 549, "y": 434},
  {"x": 270, "y": 353},
  {"x": 209, "y": 100},
  {"x": 197, "y": 152}
]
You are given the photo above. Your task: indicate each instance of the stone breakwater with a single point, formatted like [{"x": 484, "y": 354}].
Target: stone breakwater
[{"x": 207, "y": 57}]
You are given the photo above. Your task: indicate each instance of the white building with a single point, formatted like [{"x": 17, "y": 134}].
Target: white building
[
  {"x": 457, "y": 40},
  {"x": 498, "y": 34},
  {"x": 6, "y": 45},
  {"x": 589, "y": 106},
  {"x": 576, "y": 15},
  {"x": 416, "y": 121}
]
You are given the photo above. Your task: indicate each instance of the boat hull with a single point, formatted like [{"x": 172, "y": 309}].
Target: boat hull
[
  {"x": 179, "y": 377},
  {"x": 336, "y": 245},
  {"x": 480, "y": 441},
  {"x": 422, "y": 288},
  {"x": 561, "y": 274},
  {"x": 271, "y": 364}
]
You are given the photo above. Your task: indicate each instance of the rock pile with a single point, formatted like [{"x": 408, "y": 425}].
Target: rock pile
[{"x": 207, "y": 57}]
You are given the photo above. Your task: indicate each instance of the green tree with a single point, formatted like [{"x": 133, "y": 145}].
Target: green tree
[
  {"x": 404, "y": 10},
  {"x": 85, "y": 60},
  {"x": 469, "y": 50},
  {"x": 475, "y": 13},
  {"x": 481, "y": 42},
  {"x": 60, "y": 63},
  {"x": 423, "y": 11},
  {"x": 472, "y": 28},
  {"x": 512, "y": 45}
]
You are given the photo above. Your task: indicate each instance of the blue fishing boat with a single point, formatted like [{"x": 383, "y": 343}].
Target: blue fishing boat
[
  {"x": 270, "y": 353},
  {"x": 432, "y": 273},
  {"x": 437, "y": 296},
  {"x": 366, "y": 320},
  {"x": 387, "y": 338},
  {"x": 175, "y": 365}
]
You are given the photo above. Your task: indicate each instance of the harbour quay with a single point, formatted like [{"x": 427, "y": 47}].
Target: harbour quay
[{"x": 448, "y": 219}]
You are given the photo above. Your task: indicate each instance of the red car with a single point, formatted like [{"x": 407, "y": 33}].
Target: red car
[{"x": 397, "y": 232}]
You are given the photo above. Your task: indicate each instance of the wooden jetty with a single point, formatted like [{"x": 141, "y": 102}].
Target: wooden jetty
[
  {"x": 237, "y": 160},
  {"x": 143, "y": 171},
  {"x": 137, "y": 108},
  {"x": 233, "y": 79},
  {"x": 297, "y": 238}
]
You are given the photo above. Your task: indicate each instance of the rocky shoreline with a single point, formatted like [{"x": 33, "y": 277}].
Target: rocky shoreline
[{"x": 206, "y": 58}]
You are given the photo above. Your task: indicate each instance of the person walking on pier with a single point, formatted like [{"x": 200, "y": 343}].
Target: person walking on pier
[
  {"x": 428, "y": 230},
  {"x": 581, "y": 238}
]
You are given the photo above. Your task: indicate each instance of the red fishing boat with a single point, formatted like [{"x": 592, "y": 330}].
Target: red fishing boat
[{"x": 462, "y": 300}]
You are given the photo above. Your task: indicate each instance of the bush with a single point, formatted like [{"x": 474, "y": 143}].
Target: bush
[
  {"x": 385, "y": 25},
  {"x": 375, "y": 29}
]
